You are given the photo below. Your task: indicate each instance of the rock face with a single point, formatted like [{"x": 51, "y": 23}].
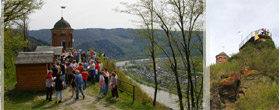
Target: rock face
[{"x": 229, "y": 88}]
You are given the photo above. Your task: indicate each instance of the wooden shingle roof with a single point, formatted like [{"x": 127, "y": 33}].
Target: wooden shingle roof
[
  {"x": 43, "y": 57},
  {"x": 57, "y": 50}
]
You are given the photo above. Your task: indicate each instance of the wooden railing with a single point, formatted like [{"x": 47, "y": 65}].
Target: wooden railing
[{"x": 121, "y": 84}]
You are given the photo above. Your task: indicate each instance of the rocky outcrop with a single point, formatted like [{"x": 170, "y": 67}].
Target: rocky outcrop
[{"x": 230, "y": 89}]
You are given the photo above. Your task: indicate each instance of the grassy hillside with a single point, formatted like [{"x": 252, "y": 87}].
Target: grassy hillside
[
  {"x": 142, "y": 100},
  {"x": 261, "y": 89}
]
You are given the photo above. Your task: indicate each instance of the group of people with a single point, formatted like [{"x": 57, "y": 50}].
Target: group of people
[
  {"x": 68, "y": 72},
  {"x": 264, "y": 31}
]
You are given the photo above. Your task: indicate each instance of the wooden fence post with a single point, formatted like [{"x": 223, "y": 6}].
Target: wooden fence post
[
  {"x": 126, "y": 91},
  {"x": 133, "y": 94},
  {"x": 121, "y": 85}
]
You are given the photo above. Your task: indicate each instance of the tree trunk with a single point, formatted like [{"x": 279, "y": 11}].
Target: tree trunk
[
  {"x": 152, "y": 40},
  {"x": 179, "y": 91},
  {"x": 156, "y": 84}
]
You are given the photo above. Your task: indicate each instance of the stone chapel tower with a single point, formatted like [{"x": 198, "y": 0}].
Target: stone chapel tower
[
  {"x": 62, "y": 34},
  {"x": 222, "y": 58}
]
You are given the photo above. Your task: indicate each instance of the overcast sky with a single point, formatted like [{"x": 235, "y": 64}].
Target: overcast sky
[
  {"x": 82, "y": 14},
  {"x": 226, "y": 17}
]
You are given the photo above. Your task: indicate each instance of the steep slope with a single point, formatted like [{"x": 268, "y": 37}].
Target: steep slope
[{"x": 249, "y": 80}]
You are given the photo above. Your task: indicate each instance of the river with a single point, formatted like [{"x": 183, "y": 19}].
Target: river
[{"x": 166, "y": 98}]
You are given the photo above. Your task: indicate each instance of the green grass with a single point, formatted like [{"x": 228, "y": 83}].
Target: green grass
[
  {"x": 263, "y": 95},
  {"x": 141, "y": 98},
  {"x": 9, "y": 83},
  {"x": 23, "y": 100},
  {"x": 124, "y": 102}
]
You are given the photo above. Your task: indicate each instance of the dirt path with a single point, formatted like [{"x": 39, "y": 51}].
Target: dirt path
[{"x": 69, "y": 102}]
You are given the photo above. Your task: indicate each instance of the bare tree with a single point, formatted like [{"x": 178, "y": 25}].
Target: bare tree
[
  {"x": 179, "y": 21},
  {"x": 144, "y": 10},
  {"x": 187, "y": 13},
  {"x": 166, "y": 26},
  {"x": 22, "y": 25},
  {"x": 16, "y": 9}
]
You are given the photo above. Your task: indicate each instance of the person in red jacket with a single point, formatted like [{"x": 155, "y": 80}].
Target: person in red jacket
[
  {"x": 85, "y": 76},
  {"x": 81, "y": 67},
  {"x": 49, "y": 85},
  {"x": 91, "y": 53},
  {"x": 97, "y": 68}
]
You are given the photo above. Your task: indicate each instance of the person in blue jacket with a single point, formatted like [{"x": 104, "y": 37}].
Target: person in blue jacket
[{"x": 79, "y": 81}]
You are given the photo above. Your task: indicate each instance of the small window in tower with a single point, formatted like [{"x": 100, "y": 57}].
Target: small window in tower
[
  {"x": 63, "y": 34},
  {"x": 69, "y": 45}
]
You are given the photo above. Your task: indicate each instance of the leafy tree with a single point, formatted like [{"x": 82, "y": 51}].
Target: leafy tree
[
  {"x": 16, "y": 9},
  {"x": 15, "y": 14},
  {"x": 14, "y": 43}
]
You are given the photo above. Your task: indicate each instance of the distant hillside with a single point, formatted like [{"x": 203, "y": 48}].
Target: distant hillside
[
  {"x": 117, "y": 43},
  {"x": 33, "y": 43}
]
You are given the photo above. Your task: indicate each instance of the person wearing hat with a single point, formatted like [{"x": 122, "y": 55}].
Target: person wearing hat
[{"x": 49, "y": 85}]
